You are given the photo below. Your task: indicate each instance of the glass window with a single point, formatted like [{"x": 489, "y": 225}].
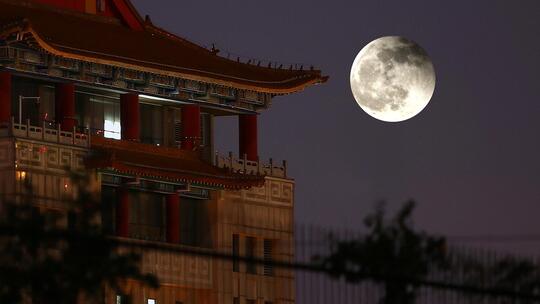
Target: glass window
[
  {"x": 111, "y": 117},
  {"x": 146, "y": 216},
  {"x": 151, "y": 301},
  {"x": 99, "y": 114},
  {"x": 195, "y": 223},
  {"x": 151, "y": 124}
]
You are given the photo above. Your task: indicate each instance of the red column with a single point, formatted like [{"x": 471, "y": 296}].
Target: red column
[
  {"x": 65, "y": 106},
  {"x": 130, "y": 116},
  {"x": 191, "y": 126},
  {"x": 247, "y": 128},
  {"x": 173, "y": 218},
  {"x": 122, "y": 212},
  {"x": 5, "y": 97}
]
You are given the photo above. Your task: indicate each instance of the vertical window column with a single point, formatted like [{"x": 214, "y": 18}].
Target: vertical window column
[
  {"x": 130, "y": 117},
  {"x": 173, "y": 218},
  {"x": 248, "y": 141},
  {"x": 5, "y": 97},
  {"x": 122, "y": 212},
  {"x": 65, "y": 106},
  {"x": 191, "y": 127}
]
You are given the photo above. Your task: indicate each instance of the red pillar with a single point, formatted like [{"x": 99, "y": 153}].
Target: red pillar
[
  {"x": 173, "y": 218},
  {"x": 130, "y": 116},
  {"x": 247, "y": 128},
  {"x": 5, "y": 97},
  {"x": 191, "y": 126},
  {"x": 65, "y": 105},
  {"x": 122, "y": 212}
]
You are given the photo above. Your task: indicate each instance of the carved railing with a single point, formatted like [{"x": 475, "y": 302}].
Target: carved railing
[
  {"x": 245, "y": 166},
  {"x": 45, "y": 133}
]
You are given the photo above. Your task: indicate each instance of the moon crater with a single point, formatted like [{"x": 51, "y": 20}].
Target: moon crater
[{"x": 392, "y": 79}]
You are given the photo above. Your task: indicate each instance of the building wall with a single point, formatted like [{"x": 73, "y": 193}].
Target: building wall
[{"x": 263, "y": 213}]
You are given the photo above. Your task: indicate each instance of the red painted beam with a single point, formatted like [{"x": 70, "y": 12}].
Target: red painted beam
[
  {"x": 122, "y": 212},
  {"x": 191, "y": 126},
  {"x": 5, "y": 97},
  {"x": 173, "y": 218},
  {"x": 65, "y": 106},
  {"x": 130, "y": 117},
  {"x": 248, "y": 141}
]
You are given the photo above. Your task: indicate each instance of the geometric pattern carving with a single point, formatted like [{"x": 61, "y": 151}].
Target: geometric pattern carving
[
  {"x": 274, "y": 191},
  {"x": 49, "y": 157},
  {"x": 178, "y": 269}
]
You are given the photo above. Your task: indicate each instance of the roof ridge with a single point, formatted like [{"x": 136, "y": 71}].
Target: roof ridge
[{"x": 29, "y": 4}]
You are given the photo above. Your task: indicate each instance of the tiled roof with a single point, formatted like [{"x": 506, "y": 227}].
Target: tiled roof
[
  {"x": 163, "y": 163},
  {"x": 106, "y": 40}
]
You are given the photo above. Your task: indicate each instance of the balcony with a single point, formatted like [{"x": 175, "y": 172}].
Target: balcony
[
  {"x": 244, "y": 166},
  {"x": 45, "y": 133}
]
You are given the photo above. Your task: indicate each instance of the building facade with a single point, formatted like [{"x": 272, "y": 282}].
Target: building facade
[{"x": 90, "y": 86}]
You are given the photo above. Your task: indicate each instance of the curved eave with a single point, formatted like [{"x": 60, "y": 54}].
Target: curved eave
[
  {"x": 283, "y": 87},
  {"x": 165, "y": 164}
]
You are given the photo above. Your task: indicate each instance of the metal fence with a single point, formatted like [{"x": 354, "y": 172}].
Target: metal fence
[{"x": 475, "y": 276}]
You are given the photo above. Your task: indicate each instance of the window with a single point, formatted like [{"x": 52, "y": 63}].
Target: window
[
  {"x": 195, "y": 223},
  {"x": 268, "y": 262},
  {"x": 251, "y": 245},
  {"x": 111, "y": 124},
  {"x": 146, "y": 216},
  {"x": 151, "y": 301},
  {"x": 236, "y": 252},
  {"x": 123, "y": 299},
  {"x": 151, "y": 122},
  {"x": 100, "y": 114}
]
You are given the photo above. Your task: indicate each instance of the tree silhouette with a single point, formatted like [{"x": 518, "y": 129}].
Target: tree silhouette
[
  {"x": 392, "y": 252},
  {"x": 47, "y": 261}
]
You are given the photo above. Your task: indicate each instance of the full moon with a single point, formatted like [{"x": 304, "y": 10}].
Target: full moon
[{"x": 392, "y": 79}]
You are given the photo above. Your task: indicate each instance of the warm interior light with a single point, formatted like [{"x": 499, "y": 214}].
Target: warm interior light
[
  {"x": 20, "y": 175},
  {"x": 112, "y": 129}
]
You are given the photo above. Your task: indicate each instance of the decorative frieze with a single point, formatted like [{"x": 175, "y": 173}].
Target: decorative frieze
[
  {"x": 37, "y": 62},
  {"x": 178, "y": 269}
]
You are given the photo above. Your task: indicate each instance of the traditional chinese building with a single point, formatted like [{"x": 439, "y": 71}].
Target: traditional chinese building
[{"x": 90, "y": 86}]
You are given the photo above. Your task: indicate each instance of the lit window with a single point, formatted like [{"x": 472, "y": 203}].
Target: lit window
[
  {"x": 112, "y": 129},
  {"x": 151, "y": 301}
]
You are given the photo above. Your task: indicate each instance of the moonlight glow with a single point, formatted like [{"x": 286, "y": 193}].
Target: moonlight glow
[{"x": 392, "y": 79}]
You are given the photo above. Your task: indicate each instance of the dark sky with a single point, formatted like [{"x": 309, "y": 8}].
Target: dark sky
[{"x": 471, "y": 159}]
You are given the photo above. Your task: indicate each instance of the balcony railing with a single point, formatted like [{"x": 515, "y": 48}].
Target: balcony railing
[
  {"x": 245, "y": 166},
  {"x": 45, "y": 133}
]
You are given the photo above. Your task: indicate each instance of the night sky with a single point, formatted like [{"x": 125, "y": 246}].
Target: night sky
[{"x": 471, "y": 159}]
